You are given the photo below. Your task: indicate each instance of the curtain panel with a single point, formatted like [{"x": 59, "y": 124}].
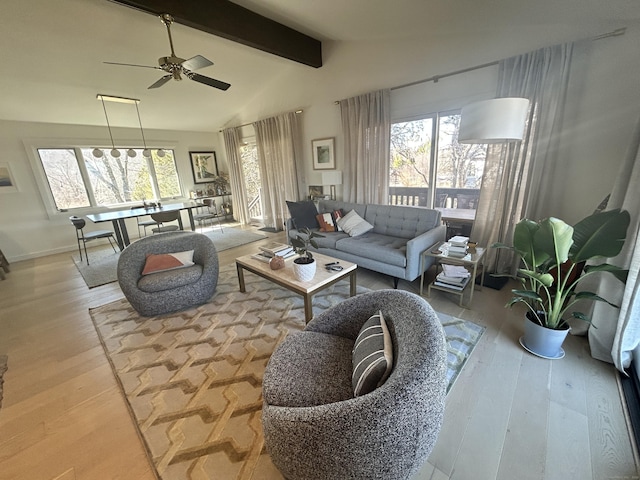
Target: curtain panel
[
  {"x": 366, "y": 125},
  {"x": 512, "y": 184},
  {"x": 236, "y": 175},
  {"x": 279, "y": 144},
  {"x": 617, "y": 336}
]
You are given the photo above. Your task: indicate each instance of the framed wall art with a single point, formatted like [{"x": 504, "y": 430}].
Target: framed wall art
[
  {"x": 7, "y": 180},
  {"x": 204, "y": 166},
  {"x": 323, "y": 154}
]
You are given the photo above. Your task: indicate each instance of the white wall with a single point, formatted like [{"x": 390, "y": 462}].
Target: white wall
[{"x": 27, "y": 229}]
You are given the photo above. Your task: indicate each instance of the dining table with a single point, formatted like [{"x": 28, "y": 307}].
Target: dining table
[{"x": 118, "y": 217}]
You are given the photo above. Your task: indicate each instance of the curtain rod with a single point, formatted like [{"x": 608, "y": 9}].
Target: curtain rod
[
  {"x": 298, "y": 112},
  {"x": 436, "y": 78}
]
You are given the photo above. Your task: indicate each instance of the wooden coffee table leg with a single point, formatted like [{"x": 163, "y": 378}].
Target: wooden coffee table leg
[
  {"x": 308, "y": 308},
  {"x": 240, "y": 277}
]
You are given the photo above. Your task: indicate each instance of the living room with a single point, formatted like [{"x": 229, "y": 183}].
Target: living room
[{"x": 356, "y": 60}]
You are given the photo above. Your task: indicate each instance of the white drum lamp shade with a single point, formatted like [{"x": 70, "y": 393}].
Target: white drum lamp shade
[{"x": 497, "y": 120}]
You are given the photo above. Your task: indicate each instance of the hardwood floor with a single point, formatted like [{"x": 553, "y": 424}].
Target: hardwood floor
[{"x": 510, "y": 415}]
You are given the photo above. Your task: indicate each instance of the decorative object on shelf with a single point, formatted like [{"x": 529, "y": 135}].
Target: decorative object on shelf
[
  {"x": 276, "y": 262},
  {"x": 7, "y": 181},
  {"x": 304, "y": 267},
  {"x": 332, "y": 179},
  {"x": 497, "y": 120},
  {"x": 555, "y": 255},
  {"x": 204, "y": 166},
  {"x": 323, "y": 154}
]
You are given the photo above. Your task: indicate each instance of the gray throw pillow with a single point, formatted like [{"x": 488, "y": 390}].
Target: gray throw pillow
[
  {"x": 303, "y": 214},
  {"x": 372, "y": 356}
]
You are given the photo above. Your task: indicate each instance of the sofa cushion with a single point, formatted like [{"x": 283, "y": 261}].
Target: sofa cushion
[
  {"x": 170, "y": 279},
  {"x": 303, "y": 214},
  {"x": 401, "y": 221},
  {"x": 372, "y": 356},
  {"x": 353, "y": 224},
  {"x": 390, "y": 250},
  {"x": 309, "y": 369},
  {"x": 167, "y": 261}
]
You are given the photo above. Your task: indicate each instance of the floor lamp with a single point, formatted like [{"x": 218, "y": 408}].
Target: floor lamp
[{"x": 498, "y": 120}]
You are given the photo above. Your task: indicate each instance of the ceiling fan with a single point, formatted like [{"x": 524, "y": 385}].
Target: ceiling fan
[{"x": 176, "y": 67}]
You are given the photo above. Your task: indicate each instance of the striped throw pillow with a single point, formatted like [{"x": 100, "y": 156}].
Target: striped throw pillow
[{"x": 372, "y": 356}]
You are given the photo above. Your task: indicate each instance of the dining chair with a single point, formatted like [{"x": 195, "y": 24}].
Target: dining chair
[
  {"x": 143, "y": 223},
  {"x": 210, "y": 213},
  {"x": 79, "y": 223},
  {"x": 161, "y": 218}
]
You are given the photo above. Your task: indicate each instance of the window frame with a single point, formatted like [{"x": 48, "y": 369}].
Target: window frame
[{"x": 32, "y": 145}]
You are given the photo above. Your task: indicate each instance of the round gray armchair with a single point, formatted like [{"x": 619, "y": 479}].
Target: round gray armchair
[
  {"x": 315, "y": 428},
  {"x": 172, "y": 290}
]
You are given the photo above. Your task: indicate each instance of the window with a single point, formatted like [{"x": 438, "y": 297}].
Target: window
[
  {"x": 78, "y": 179},
  {"x": 252, "y": 181},
  {"x": 426, "y": 152}
]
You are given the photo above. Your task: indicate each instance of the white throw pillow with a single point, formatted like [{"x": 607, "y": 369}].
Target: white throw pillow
[{"x": 353, "y": 224}]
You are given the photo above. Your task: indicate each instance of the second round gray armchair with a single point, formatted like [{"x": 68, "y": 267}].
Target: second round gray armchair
[{"x": 314, "y": 426}]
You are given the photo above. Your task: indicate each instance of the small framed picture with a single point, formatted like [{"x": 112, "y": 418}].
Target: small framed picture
[
  {"x": 7, "y": 180},
  {"x": 315, "y": 191},
  {"x": 204, "y": 166},
  {"x": 323, "y": 154}
]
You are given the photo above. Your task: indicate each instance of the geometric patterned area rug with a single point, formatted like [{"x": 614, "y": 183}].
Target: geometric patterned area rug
[{"x": 193, "y": 380}]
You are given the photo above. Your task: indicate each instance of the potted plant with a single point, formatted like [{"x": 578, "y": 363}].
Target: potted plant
[
  {"x": 304, "y": 267},
  {"x": 554, "y": 255}
]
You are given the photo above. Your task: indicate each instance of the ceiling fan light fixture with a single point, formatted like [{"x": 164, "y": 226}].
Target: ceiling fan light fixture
[{"x": 97, "y": 153}]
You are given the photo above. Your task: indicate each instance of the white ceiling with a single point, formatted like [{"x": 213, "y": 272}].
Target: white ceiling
[{"x": 53, "y": 52}]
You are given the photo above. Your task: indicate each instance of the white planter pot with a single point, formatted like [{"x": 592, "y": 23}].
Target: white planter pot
[
  {"x": 541, "y": 341},
  {"x": 304, "y": 272}
]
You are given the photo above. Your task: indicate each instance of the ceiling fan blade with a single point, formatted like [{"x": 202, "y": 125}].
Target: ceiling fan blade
[
  {"x": 194, "y": 63},
  {"x": 212, "y": 82},
  {"x": 160, "y": 82},
  {"x": 132, "y": 65}
]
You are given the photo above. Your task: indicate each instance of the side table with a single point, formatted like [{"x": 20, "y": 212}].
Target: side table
[{"x": 472, "y": 259}]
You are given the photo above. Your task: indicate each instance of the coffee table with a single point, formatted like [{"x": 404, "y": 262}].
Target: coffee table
[
  {"x": 472, "y": 259},
  {"x": 285, "y": 277}
]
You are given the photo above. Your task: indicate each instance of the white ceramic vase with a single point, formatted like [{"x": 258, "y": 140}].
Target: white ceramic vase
[{"x": 304, "y": 272}]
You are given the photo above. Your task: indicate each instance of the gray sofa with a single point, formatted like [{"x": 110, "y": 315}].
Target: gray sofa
[
  {"x": 315, "y": 429},
  {"x": 172, "y": 290},
  {"x": 400, "y": 234}
]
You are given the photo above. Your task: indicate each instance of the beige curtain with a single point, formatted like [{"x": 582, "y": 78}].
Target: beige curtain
[
  {"x": 236, "y": 175},
  {"x": 617, "y": 335},
  {"x": 279, "y": 144},
  {"x": 366, "y": 125},
  {"x": 512, "y": 183}
]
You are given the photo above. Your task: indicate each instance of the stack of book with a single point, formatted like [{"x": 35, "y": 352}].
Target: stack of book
[
  {"x": 453, "y": 276},
  {"x": 267, "y": 252},
  {"x": 458, "y": 246}
]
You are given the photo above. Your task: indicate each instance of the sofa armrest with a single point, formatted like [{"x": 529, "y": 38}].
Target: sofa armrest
[{"x": 417, "y": 245}]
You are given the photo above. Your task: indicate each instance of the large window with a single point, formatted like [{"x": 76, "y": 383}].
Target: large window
[
  {"x": 78, "y": 179},
  {"x": 426, "y": 153}
]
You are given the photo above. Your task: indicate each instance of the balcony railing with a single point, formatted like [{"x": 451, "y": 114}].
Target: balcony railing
[
  {"x": 445, "y": 197},
  {"x": 255, "y": 207}
]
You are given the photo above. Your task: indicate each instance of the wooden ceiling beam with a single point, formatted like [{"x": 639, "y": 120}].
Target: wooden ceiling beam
[{"x": 233, "y": 22}]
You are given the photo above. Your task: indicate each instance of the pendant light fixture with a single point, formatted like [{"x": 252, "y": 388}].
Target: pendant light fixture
[{"x": 98, "y": 153}]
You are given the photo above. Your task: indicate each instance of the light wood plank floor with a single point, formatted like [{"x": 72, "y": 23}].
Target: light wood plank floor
[{"x": 510, "y": 415}]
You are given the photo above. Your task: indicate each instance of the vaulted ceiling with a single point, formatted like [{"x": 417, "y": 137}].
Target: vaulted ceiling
[{"x": 53, "y": 53}]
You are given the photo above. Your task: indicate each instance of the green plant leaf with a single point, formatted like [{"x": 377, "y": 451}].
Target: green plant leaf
[
  {"x": 620, "y": 273},
  {"x": 600, "y": 235},
  {"x": 527, "y": 294},
  {"x": 545, "y": 279},
  {"x": 523, "y": 242},
  {"x": 554, "y": 239},
  {"x": 582, "y": 316},
  {"x": 592, "y": 296}
]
